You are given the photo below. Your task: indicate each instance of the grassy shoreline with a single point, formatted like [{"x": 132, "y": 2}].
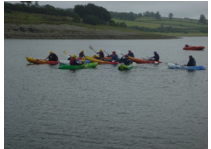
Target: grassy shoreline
[{"x": 20, "y": 25}]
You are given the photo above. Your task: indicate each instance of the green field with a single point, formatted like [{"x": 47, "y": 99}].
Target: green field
[{"x": 192, "y": 26}]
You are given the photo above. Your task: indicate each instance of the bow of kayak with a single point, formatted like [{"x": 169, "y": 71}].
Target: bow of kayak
[
  {"x": 74, "y": 67},
  {"x": 40, "y": 61},
  {"x": 177, "y": 66}
]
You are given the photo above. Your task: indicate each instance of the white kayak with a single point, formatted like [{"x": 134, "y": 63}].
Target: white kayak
[
  {"x": 67, "y": 62},
  {"x": 178, "y": 66}
]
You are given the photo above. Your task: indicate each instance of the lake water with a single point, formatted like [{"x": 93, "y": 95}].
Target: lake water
[{"x": 148, "y": 107}]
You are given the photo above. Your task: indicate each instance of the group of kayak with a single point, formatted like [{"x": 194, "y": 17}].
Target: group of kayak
[{"x": 128, "y": 61}]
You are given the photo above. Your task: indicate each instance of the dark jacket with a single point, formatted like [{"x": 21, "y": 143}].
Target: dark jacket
[
  {"x": 52, "y": 57},
  {"x": 130, "y": 54},
  {"x": 191, "y": 62},
  {"x": 115, "y": 57},
  {"x": 101, "y": 54},
  {"x": 156, "y": 57},
  {"x": 81, "y": 54},
  {"x": 127, "y": 61}
]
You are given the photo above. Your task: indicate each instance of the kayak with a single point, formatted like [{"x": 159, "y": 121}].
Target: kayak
[
  {"x": 177, "y": 66},
  {"x": 40, "y": 61},
  {"x": 100, "y": 61},
  {"x": 74, "y": 67},
  {"x": 67, "y": 62},
  {"x": 143, "y": 61},
  {"x": 194, "y": 48},
  {"x": 125, "y": 67}
]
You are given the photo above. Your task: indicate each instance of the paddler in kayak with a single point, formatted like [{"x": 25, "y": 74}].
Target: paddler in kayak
[
  {"x": 81, "y": 54},
  {"x": 114, "y": 56},
  {"x": 52, "y": 57},
  {"x": 191, "y": 62},
  {"x": 101, "y": 54},
  {"x": 126, "y": 60},
  {"x": 130, "y": 53},
  {"x": 156, "y": 57},
  {"x": 73, "y": 61}
]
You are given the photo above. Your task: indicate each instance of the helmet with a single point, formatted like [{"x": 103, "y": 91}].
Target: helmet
[
  {"x": 74, "y": 56},
  {"x": 129, "y": 51},
  {"x": 101, "y": 50},
  {"x": 126, "y": 55},
  {"x": 114, "y": 52},
  {"x": 51, "y": 52},
  {"x": 155, "y": 52},
  {"x": 82, "y": 50}
]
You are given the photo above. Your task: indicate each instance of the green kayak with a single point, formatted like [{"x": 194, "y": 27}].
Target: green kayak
[
  {"x": 125, "y": 67},
  {"x": 73, "y": 67}
]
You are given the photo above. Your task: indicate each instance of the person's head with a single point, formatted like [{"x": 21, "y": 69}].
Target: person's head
[
  {"x": 74, "y": 56},
  {"x": 155, "y": 52},
  {"x": 101, "y": 50},
  {"x": 114, "y": 52},
  {"x": 129, "y": 51},
  {"x": 51, "y": 52},
  {"x": 82, "y": 51},
  {"x": 190, "y": 56}
]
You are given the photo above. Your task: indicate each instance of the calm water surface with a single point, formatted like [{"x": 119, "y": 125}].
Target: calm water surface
[{"x": 148, "y": 107}]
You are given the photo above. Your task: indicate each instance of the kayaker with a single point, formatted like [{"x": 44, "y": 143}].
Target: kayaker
[
  {"x": 81, "y": 54},
  {"x": 73, "y": 61},
  {"x": 101, "y": 54},
  {"x": 130, "y": 53},
  {"x": 186, "y": 45},
  {"x": 126, "y": 60},
  {"x": 52, "y": 57},
  {"x": 191, "y": 62},
  {"x": 156, "y": 57},
  {"x": 114, "y": 56}
]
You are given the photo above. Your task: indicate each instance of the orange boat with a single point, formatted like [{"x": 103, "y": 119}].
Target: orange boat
[
  {"x": 197, "y": 48},
  {"x": 142, "y": 61}
]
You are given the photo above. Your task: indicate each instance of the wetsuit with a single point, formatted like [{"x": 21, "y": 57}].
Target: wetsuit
[
  {"x": 191, "y": 62},
  {"x": 130, "y": 54},
  {"x": 156, "y": 57},
  {"x": 52, "y": 57},
  {"x": 81, "y": 54}
]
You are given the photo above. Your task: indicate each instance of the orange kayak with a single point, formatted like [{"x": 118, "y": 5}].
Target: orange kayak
[{"x": 40, "y": 61}]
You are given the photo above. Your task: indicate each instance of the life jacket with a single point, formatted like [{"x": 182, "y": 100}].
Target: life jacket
[
  {"x": 72, "y": 61},
  {"x": 52, "y": 57}
]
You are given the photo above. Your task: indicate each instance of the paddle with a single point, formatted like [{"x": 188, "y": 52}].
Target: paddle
[
  {"x": 120, "y": 52},
  {"x": 92, "y": 49},
  {"x": 105, "y": 52},
  {"x": 66, "y": 54}
]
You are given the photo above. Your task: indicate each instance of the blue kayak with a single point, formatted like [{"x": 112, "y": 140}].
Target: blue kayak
[{"x": 177, "y": 66}]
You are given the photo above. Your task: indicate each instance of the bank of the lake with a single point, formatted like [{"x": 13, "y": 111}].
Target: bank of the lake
[{"x": 65, "y": 31}]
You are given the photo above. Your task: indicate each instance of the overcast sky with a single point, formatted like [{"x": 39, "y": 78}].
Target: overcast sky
[{"x": 179, "y": 9}]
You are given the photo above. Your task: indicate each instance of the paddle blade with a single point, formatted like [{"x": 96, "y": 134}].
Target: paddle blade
[
  {"x": 134, "y": 64},
  {"x": 91, "y": 47},
  {"x": 66, "y": 53}
]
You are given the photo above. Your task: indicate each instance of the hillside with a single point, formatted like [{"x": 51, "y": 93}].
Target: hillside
[{"x": 38, "y": 26}]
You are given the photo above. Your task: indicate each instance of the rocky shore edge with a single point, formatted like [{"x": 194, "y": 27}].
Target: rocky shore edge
[{"x": 64, "y": 31}]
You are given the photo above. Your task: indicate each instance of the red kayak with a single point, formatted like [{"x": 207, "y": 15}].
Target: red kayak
[
  {"x": 194, "y": 48},
  {"x": 142, "y": 61}
]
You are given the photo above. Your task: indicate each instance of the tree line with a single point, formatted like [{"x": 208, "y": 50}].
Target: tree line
[{"x": 94, "y": 15}]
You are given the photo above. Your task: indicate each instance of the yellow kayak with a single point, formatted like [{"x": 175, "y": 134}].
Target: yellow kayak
[{"x": 40, "y": 61}]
